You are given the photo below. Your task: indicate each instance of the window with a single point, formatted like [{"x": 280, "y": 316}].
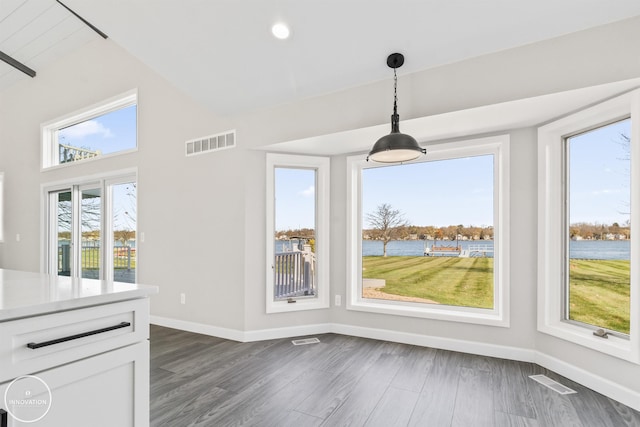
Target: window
[
  {"x": 91, "y": 229},
  {"x": 597, "y": 281},
  {"x": 429, "y": 238},
  {"x": 101, "y": 130},
  {"x": 586, "y": 199},
  {"x": 297, "y": 232}
]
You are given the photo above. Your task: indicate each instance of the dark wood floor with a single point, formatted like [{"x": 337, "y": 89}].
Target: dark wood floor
[{"x": 197, "y": 380}]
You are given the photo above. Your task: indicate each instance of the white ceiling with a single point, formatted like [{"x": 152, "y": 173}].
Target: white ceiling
[
  {"x": 35, "y": 33},
  {"x": 221, "y": 52},
  {"x": 487, "y": 119}
]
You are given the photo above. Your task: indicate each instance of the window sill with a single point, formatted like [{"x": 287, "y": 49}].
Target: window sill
[
  {"x": 299, "y": 305},
  {"x": 437, "y": 312},
  {"x": 614, "y": 346}
]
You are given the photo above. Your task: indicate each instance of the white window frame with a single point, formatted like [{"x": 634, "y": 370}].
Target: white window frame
[
  {"x": 322, "y": 166},
  {"x": 1, "y": 207},
  {"x": 498, "y": 146},
  {"x": 551, "y": 226},
  {"x": 49, "y": 130},
  {"x": 48, "y": 264}
]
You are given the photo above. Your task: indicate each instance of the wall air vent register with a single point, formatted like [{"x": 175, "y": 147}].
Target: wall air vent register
[{"x": 211, "y": 143}]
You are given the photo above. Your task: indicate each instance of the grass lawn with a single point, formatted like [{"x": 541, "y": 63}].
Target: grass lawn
[
  {"x": 464, "y": 282},
  {"x": 599, "y": 289},
  {"x": 599, "y": 293}
]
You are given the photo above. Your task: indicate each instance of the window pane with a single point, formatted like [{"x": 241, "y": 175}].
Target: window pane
[
  {"x": 105, "y": 134},
  {"x": 427, "y": 232},
  {"x": 599, "y": 227},
  {"x": 90, "y": 228},
  {"x": 63, "y": 234},
  {"x": 124, "y": 232},
  {"x": 295, "y": 233}
]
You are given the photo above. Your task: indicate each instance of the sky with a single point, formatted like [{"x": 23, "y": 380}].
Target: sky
[
  {"x": 111, "y": 132},
  {"x": 438, "y": 193},
  {"x": 599, "y": 180},
  {"x": 124, "y": 206},
  {"x": 460, "y": 191},
  {"x": 295, "y": 198}
]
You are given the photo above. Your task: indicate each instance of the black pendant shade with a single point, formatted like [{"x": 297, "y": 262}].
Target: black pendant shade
[{"x": 396, "y": 147}]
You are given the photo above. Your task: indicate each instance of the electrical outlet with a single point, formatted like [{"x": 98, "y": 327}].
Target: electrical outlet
[
  {"x": 338, "y": 301},
  {"x": 17, "y": 237},
  {"x": 183, "y": 299},
  {"x": 142, "y": 237}
]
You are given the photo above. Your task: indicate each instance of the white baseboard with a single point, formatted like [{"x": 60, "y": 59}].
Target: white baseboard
[
  {"x": 473, "y": 347},
  {"x": 198, "y": 328},
  {"x": 238, "y": 335},
  {"x": 288, "y": 332},
  {"x": 602, "y": 385}
]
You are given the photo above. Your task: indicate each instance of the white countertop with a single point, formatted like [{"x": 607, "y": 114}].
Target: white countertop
[{"x": 24, "y": 294}]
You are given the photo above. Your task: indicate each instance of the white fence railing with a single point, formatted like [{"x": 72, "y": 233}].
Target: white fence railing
[{"x": 294, "y": 274}]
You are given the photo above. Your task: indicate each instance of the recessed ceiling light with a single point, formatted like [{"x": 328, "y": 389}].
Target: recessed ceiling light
[{"x": 280, "y": 31}]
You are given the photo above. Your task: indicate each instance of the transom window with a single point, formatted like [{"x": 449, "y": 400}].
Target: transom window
[
  {"x": 428, "y": 238},
  {"x": 101, "y": 130}
]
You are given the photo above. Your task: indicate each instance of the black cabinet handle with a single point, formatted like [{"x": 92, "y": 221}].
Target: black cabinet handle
[
  {"x": 33, "y": 345},
  {"x": 3, "y": 418}
]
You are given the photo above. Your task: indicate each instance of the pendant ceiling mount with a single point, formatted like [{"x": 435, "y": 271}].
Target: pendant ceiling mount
[
  {"x": 396, "y": 147},
  {"x": 395, "y": 60}
]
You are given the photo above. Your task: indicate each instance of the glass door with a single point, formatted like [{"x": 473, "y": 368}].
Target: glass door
[
  {"x": 123, "y": 230},
  {"x": 91, "y": 229},
  {"x": 62, "y": 232},
  {"x": 91, "y": 232}
]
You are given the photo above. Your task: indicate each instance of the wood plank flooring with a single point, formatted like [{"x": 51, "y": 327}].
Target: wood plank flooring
[{"x": 197, "y": 380}]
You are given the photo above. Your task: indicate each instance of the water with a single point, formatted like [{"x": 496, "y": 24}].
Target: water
[
  {"x": 416, "y": 247},
  {"x": 600, "y": 249},
  {"x": 582, "y": 249},
  {"x": 286, "y": 246}
]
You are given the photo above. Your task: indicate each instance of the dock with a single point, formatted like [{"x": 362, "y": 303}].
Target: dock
[{"x": 457, "y": 251}]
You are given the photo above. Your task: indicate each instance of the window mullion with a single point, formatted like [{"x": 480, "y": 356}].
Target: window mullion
[
  {"x": 76, "y": 232},
  {"x": 107, "y": 226}
]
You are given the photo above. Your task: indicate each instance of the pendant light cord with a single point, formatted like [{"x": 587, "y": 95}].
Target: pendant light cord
[
  {"x": 395, "y": 119},
  {"x": 395, "y": 93}
]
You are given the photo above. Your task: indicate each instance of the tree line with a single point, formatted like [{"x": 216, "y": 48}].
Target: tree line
[
  {"x": 589, "y": 231},
  {"x": 121, "y": 235},
  {"x": 429, "y": 232},
  {"x": 305, "y": 233}
]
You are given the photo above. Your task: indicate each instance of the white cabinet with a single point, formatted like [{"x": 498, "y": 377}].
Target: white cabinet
[{"x": 97, "y": 376}]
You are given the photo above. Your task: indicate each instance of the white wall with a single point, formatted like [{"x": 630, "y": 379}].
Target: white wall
[
  {"x": 190, "y": 209},
  {"x": 204, "y": 217}
]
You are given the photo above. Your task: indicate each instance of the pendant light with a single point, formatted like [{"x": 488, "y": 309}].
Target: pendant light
[{"x": 396, "y": 147}]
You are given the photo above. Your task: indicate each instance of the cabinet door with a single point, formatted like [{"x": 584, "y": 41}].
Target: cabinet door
[{"x": 111, "y": 389}]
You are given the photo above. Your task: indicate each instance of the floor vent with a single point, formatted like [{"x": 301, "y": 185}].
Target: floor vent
[
  {"x": 208, "y": 144},
  {"x": 553, "y": 385},
  {"x": 306, "y": 341}
]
